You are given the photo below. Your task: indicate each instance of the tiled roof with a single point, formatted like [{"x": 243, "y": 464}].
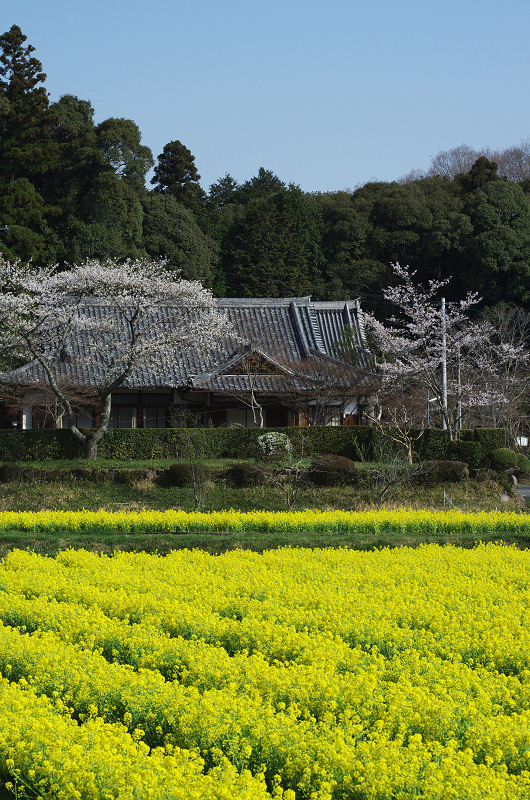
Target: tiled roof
[{"x": 287, "y": 330}]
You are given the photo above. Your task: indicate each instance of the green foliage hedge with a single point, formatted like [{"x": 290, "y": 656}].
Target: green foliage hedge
[
  {"x": 181, "y": 474},
  {"x": 523, "y": 463},
  {"x": 503, "y": 458},
  {"x": 359, "y": 443},
  {"x": 468, "y": 451},
  {"x": 489, "y": 439},
  {"x": 433, "y": 445}
]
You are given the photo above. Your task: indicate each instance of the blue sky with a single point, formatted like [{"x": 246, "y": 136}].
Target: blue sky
[{"x": 328, "y": 95}]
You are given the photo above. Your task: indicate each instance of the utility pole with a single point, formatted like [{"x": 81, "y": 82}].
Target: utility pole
[
  {"x": 444, "y": 367},
  {"x": 459, "y": 401}
]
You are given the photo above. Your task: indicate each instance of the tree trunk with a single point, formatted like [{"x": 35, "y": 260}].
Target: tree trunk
[
  {"x": 91, "y": 448},
  {"x": 92, "y": 441}
]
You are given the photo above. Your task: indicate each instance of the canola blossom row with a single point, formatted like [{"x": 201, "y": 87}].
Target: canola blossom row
[
  {"x": 318, "y": 675},
  {"x": 177, "y": 521}
]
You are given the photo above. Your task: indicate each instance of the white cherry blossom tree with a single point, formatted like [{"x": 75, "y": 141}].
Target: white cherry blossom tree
[
  {"x": 425, "y": 339},
  {"x": 503, "y": 364},
  {"x": 127, "y": 316}
]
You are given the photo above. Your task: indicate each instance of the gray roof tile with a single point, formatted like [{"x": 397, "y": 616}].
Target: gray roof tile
[{"x": 287, "y": 329}]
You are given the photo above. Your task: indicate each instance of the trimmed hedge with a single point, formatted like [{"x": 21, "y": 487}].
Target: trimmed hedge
[
  {"x": 359, "y": 443},
  {"x": 37, "y": 445},
  {"x": 433, "y": 445},
  {"x": 468, "y": 451},
  {"x": 523, "y": 463},
  {"x": 489, "y": 439}
]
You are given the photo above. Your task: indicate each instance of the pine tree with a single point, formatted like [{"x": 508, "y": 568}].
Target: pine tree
[
  {"x": 177, "y": 174},
  {"x": 28, "y": 149}
]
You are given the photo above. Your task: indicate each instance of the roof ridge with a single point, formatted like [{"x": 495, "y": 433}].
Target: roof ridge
[{"x": 250, "y": 302}]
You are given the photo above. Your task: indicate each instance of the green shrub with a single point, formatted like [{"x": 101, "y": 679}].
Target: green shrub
[
  {"x": 181, "y": 474},
  {"x": 433, "y": 444},
  {"x": 9, "y": 473},
  {"x": 357, "y": 442},
  {"x": 247, "y": 474},
  {"x": 123, "y": 444},
  {"x": 468, "y": 451},
  {"x": 490, "y": 439},
  {"x": 523, "y": 463},
  {"x": 434, "y": 472},
  {"x": 503, "y": 458},
  {"x": 38, "y": 445},
  {"x": 501, "y": 479},
  {"x": 332, "y": 470},
  {"x": 505, "y": 482}
]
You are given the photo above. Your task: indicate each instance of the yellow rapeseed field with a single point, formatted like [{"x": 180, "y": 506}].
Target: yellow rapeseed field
[
  {"x": 294, "y": 673},
  {"x": 175, "y": 520}
]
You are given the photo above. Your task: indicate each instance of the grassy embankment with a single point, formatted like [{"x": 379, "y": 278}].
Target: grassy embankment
[{"x": 48, "y": 489}]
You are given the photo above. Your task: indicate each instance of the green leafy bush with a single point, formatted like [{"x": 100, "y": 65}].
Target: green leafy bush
[
  {"x": 246, "y": 473},
  {"x": 502, "y": 480},
  {"x": 490, "y": 439},
  {"x": 434, "y": 472},
  {"x": 9, "y": 473},
  {"x": 433, "y": 444},
  {"x": 468, "y": 451},
  {"x": 181, "y": 474},
  {"x": 503, "y": 458},
  {"x": 523, "y": 463},
  {"x": 332, "y": 470},
  {"x": 38, "y": 445}
]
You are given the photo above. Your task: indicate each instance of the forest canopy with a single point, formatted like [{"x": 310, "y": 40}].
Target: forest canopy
[{"x": 73, "y": 189}]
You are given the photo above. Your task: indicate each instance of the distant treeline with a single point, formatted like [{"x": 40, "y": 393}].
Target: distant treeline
[{"x": 71, "y": 190}]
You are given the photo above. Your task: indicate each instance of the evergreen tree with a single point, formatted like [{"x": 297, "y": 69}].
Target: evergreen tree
[
  {"x": 25, "y": 119},
  {"x": 263, "y": 184},
  {"x": 496, "y": 259},
  {"x": 98, "y": 184},
  {"x": 222, "y": 193},
  {"x": 120, "y": 142},
  {"x": 176, "y": 174},
  {"x": 349, "y": 270},
  {"x": 480, "y": 175},
  {"x": 80, "y": 159},
  {"x": 420, "y": 223},
  {"x": 171, "y": 232},
  {"x": 106, "y": 223},
  {"x": 23, "y": 212},
  {"x": 28, "y": 150},
  {"x": 271, "y": 247}
]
